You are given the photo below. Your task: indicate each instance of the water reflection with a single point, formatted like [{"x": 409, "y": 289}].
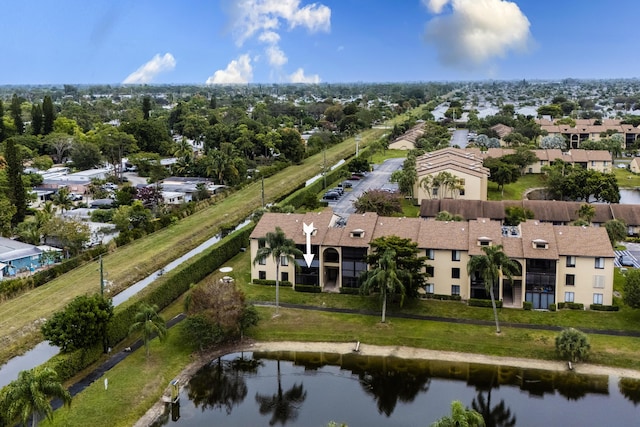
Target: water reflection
[
  {"x": 349, "y": 388},
  {"x": 284, "y": 406}
]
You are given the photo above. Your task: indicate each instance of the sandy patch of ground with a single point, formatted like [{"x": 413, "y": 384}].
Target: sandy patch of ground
[{"x": 373, "y": 350}]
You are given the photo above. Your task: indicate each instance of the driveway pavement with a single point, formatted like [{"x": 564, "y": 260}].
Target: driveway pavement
[{"x": 376, "y": 179}]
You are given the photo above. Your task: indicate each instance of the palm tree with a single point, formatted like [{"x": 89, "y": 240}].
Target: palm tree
[
  {"x": 30, "y": 395},
  {"x": 149, "y": 323},
  {"x": 490, "y": 266},
  {"x": 277, "y": 246},
  {"x": 460, "y": 417},
  {"x": 62, "y": 199},
  {"x": 384, "y": 279}
]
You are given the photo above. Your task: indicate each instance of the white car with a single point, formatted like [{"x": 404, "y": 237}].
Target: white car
[{"x": 621, "y": 165}]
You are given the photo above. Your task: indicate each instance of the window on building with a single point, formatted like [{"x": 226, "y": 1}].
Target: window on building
[
  {"x": 598, "y": 281},
  {"x": 262, "y": 275},
  {"x": 429, "y": 288},
  {"x": 262, "y": 261},
  {"x": 571, "y": 261},
  {"x": 284, "y": 276},
  {"x": 599, "y": 262},
  {"x": 434, "y": 191},
  {"x": 284, "y": 261},
  {"x": 430, "y": 271},
  {"x": 262, "y": 243},
  {"x": 431, "y": 254},
  {"x": 570, "y": 280},
  {"x": 455, "y": 273},
  {"x": 462, "y": 183},
  {"x": 455, "y": 255},
  {"x": 597, "y": 298},
  {"x": 569, "y": 296},
  {"x": 455, "y": 289}
]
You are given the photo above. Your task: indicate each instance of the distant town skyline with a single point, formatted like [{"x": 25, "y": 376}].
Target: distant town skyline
[{"x": 326, "y": 41}]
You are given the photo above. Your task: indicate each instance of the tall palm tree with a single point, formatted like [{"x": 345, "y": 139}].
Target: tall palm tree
[
  {"x": 30, "y": 395},
  {"x": 62, "y": 199},
  {"x": 277, "y": 246},
  {"x": 490, "y": 266},
  {"x": 384, "y": 278},
  {"x": 149, "y": 323},
  {"x": 460, "y": 417}
]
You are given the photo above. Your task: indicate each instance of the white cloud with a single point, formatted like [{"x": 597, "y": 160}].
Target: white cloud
[
  {"x": 299, "y": 77},
  {"x": 276, "y": 56},
  {"x": 238, "y": 71},
  {"x": 151, "y": 69},
  {"x": 477, "y": 31},
  {"x": 253, "y": 16},
  {"x": 269, "y": 37}
]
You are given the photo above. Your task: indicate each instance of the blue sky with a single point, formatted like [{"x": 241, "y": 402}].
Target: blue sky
[{"x": 329, "y": 41}]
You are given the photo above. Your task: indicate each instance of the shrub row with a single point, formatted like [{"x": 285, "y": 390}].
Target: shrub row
[
  {"x": 308, "y": 288},
  {"x": 161, "y": 293},
  {"x": 443, "y": 297},
  {"x": 473, "y": 302},
  {"x": 570, "y": 305},
  {"x": 552, "y": 307},
  {"x": 527, "y": 305},
  {"x": 14, "y": 287},
  {"x": 600, "y": 307},
  {"x": 271, "y": 282},
  {"x": 350, "y": 291}
]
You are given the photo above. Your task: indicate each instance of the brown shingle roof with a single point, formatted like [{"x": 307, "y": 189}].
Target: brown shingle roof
[
  {"x": 443, "y": 235},
  {"x": 535, "y": 231},
  {"x": 583, "y": 241}
]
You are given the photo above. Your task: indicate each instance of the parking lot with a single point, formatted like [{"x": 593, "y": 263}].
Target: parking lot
[{"x": 376, "y": 179}]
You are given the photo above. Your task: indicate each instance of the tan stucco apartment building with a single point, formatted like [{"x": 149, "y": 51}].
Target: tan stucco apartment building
[{"x": 557, "y": 263}]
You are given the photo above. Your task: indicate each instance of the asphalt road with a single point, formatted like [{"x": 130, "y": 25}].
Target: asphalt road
[{"x": 376, "y": 179}]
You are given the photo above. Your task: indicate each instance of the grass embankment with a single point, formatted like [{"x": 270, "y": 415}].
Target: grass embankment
[{"x": 20, "y": 318}]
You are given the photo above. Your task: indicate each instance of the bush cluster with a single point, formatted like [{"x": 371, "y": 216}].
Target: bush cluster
[
  {"x": 443, "y": 297},
  {"x": 600, "y": 307},
  {"x": 527, "y": 305},
  {"x": 308, "y": 288},
  {"x": 570, "y": 305},
  {"x": 271, "y": 282}
]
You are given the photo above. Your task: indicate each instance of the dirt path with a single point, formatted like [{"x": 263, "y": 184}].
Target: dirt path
[{"x": 373, "y": 350}]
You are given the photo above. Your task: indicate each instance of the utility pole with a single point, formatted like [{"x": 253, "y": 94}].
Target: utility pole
[
  {"x": 262, "y": 178},
  {"x": 324, "y": 166}
]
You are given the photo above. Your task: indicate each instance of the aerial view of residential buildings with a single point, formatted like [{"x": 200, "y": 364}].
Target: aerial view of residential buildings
[{"x": 291, "y": 202}]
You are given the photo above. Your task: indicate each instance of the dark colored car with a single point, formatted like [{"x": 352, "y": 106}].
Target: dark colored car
[
  {"x": 354, "y": 178},
  {"x": 347, "y": 184},
  {"x": 338, "y": 190},
  {"x": 331, "y": 195}
]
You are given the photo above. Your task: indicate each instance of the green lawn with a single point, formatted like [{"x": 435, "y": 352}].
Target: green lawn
[
  {"x": 516, "y": 190},
  {"x": 626, "y": 178}
]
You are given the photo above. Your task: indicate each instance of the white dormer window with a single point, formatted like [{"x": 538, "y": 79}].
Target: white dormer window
[
  {"x": 358, "y": 232},
  {"x": 540, "y": 244},
  {"x": 484, "y": 241}
]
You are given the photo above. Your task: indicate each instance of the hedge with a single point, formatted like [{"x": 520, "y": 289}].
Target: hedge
[
  {"x": 571, "y": 305},
  {"x": 350, "y": 291},
  {"x": 527, "y": 305},
  {"x": 552, "y": 307},
  {"x": 600, "y": 307},
  {"x": 473, "y": 302},
  {"x": 443, "y": 297},
  {"x": 308, "y": 288},
  {"x": 271, "y": 282}
]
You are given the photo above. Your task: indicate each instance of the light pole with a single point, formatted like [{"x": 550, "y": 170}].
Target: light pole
[
  {"x": 262, "y": 182},
  {"x": 357, "y": 144},
  {"x": 101, "y": 278}
]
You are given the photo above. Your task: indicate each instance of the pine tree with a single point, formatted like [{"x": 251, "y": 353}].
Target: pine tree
[
  {"x": 49, "y": 115},
  {"x": 36, "y": 119},
  {"x": 17, "y": 194},
  {"x": 16, "y": 114}
]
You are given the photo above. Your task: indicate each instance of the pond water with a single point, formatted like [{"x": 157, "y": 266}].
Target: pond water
[
  {"x": 628, "y": 196},
  {"x": 312, "y": 389}
]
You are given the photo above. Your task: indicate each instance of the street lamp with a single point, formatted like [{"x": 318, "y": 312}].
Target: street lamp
[{"x": 358, "y": 137}]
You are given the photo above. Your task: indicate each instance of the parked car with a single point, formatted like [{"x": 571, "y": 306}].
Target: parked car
[
  {"x": 338, "y": 190},
  {"x": 354, "y": 178},
  {"x": 626, "y": 260},
  {"x": 331, "y": 195},
  {"x": 75, "y": 197},
  {"x": 346, "y": 184}
]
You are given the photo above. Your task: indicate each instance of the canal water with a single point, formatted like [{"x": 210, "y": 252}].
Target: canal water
[
  {"x": 44, "y": 351},
  {"x": 312, "y": 389}
]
